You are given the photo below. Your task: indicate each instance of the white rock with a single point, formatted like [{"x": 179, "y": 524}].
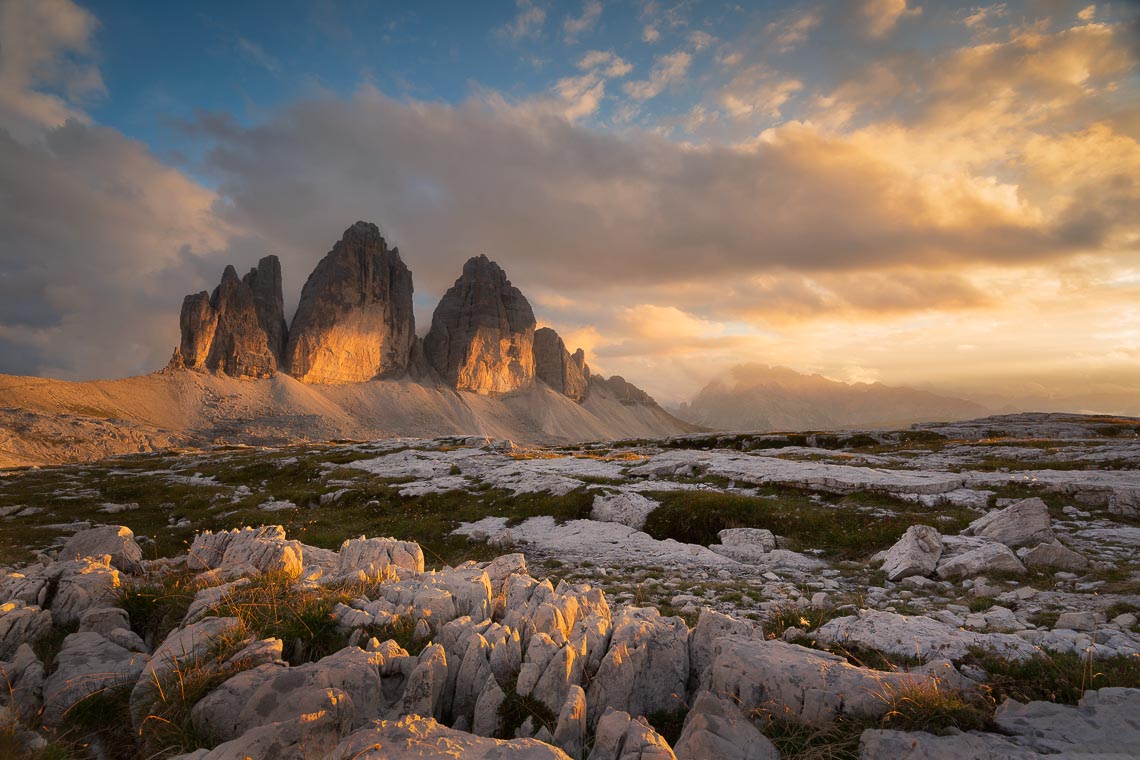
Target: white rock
[
  {"x": 118, "y": 541},
  {"x": 1024, "y": 523},
  {"x": 87, "y": 664},
  {"x": 1054, "y": 557},
  {"x": 619, "y": 737},
  {"x": 711, "y": 625},
  {"x": 646, "y": 668},
  {"x": 312, "y": 735},
  {"x": 21, "y": 623},
  {"x": 918, "y": 636},
  {"x": 570, "y": 731},
  {"x": 424, "y": 739},
  {"x": 987, "y": 558},
  {"x": 1079, "y": 621},
  {"x": 625, "y": 507},
  {"x": 715, "y": 728},
  {"x": 916, "y": 553}
]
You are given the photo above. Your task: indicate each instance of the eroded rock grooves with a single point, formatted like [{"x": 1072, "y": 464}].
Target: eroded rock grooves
[
  {"x": 482, "y": 332},
  {"x": 354, "y": 321},
  {"x": 564, "y": 372}
]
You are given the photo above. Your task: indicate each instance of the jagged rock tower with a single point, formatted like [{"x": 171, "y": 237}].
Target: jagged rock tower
[
  {"x": 482, "y": 332},
  {"x": 354, "y": 321},
  {"x": 229, "y": 331},
  {"x": 564, "y": 372}
]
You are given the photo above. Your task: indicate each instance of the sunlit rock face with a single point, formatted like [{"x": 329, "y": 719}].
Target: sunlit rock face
[
  {"x": 564, "y": 372},
  {"x": 354, "y": 321},
  {"x": 223, "y": 332},
  {"x": 264, "y": 282},
  {"x": 482, "y": 332}
]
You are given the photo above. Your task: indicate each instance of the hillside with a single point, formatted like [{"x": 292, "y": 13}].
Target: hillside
[
  {"x": 52, "y": 421},
  {"x": 760, "y": 398}
]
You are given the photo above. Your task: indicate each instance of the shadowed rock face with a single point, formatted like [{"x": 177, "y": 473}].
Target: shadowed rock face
[
  {"x": 222, "y": 332},
  {"x": 354, "y": 321},
  {"x": 482, "y": 332},
  {"x": 564, "y": 372},
  {"x": 623, "y": 390},
  {"x": 264, "y": 281}
]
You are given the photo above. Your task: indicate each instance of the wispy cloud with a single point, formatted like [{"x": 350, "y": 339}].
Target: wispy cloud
[
  {"x": 256, "y": 53},
  {"x": 575, "y": 26},
  {"x": 667, "y": 70},
  {"x": 528, "y": 21}
]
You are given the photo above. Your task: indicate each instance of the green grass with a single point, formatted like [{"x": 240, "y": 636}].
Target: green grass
[
  {"x": 1055, "y": 676},
  {"x": 515, "y": 710},
  {"x": 157, "y": 607},
  {"x": 47, "y": 647},
  {"x": 791, "y": 616},
  {"x": 981, "y": 603},
  {"x": 844, "y": 529}
]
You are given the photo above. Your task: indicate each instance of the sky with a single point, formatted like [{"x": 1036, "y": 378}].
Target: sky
[{"x": 905, "y": 191}]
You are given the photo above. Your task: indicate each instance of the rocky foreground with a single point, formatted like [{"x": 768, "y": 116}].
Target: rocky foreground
[{"x": 961, "y": 591}]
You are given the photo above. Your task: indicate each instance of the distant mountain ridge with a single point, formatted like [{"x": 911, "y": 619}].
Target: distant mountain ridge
[{"x": 760, "y": 398}]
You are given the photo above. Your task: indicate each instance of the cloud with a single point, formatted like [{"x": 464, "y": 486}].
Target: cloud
[
  {"x": 609, "y": 64},
  {"x": 528, "y": 22},
  {"x": 701, "y": 40},
  {"x": 754, "y": 92},
  {"x": 667, "y": 70},
  {"x": 46, "y": 74},
  {"x": 99, "y": 246},
  {"x": 575, "y": 26},
  {"x": 650, "y": 33},
  {"x": 880, "y": 17},
  {"x": 791, "y": 32},
  {"x": 256, "y": 53}
]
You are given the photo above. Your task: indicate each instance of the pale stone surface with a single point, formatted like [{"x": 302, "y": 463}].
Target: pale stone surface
[
  {"x": 373, "y": 556},
  {"x": 355, "y": 320},
  {"x": 22, "y": 684},
  {"x": 988, "y": 558},
  {"x": 716, "y": 728},
  {"x": 183, "y": 648},
  {"x": 711, "y": 625},
  {"x": 273, "y": 693},
  {"x": 482, "y": 332},
  {"x": 810, "y": 685},
  {"x": 1105, "y": 724},
  {"x": 570, "y": 731},
  {"x": 104, "y": 620},
  {"x": 118, "y": 541},
  {"x": 21, "y": 623},
  {"x": 424, "y": 739},
  {"x": 620, "y": 737},
  {"x": 87, "y": 664},
  {"x": 1055, "y": 557},
  {"x": 645, "y": 669},
  {"x": 918, "y": 636},
  {"x": 307, "y": 737},
  {"x": 423, "y": 694},
  {"x": 624, "y": 507},
  {"x": 247, "y": 551},
  {"x": 916, "y": 553},
  {"x": 1025, "y": 523},
  {"x": 67, "y": 588}
]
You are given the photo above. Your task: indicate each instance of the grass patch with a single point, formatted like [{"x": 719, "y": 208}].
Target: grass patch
[
  {"x": 668, "y": 723},
  {"x": 156, "y": 608},
  {"x": 841, "y": 530},
  {"x": 1056, "y": 676},
  {"x": 515, "y": 710},
  {"x": 981, "y": 603},
  {"x": 791, "y": 616},
  {"x": 48, "y": 646}
]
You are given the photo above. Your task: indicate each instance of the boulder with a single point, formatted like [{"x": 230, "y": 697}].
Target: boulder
[
  {"x": 373, "y": 556},
  {"x": 570, "y": 731},
  {"x": 918, "y": 636},
  {"x": 750, "y": 545},
  {"x": 1024, "y": 523},
  {"x": 22, "y": 684},
  {"x": 1054, "y": 557},
  {"x": 646, "y": 668},
  {"x": 620, "y": 737},
  {"x": 273, "y": 693},
  {"x": 555, "y": 366},
  {"x": 87, "y": 664},
  {"x": 184, "y": 649},
  {"x": 801, "y": 683},
  {"x": 711, "y": 625},
  {"x": 246, "y": 551},
  {"x": 1104, "y": 724},
  {"x": 20, "y": 624},
  {"x": 311, "y": 735},
  {"x": 354, "y": 321},
  {"x": 423, "y": 694},
  {"x": 987, "y": 558},
  {"x": 482, "y": 332},
  {"x": 117, "y": 541},
  {"x": 67, "y": 588},
  {"x": 104, "y": 620},
  {"x": 716, "y": 728},
  {"x": 625, "y": 507},
  {"x": 916, "y": 553},
  {"x": 423, "y": 739}
]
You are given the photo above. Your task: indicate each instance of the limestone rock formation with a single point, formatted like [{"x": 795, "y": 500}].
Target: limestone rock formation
[
  {"x": 226, "y": 331},
  {"x": 264, "y": 281},
  {"x": 354, "y": 321},
  {"x": 623, "y": 390},
  {"x": 482, "y": 332},
  {"x": 564, "y": 372}
]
